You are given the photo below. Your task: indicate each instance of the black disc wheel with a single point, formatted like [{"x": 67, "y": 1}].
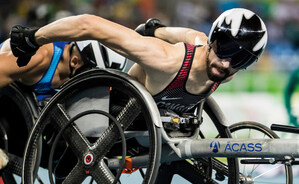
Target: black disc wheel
[
  {"x": 17, "y": 116},
  {"x": 81, "y": 120}
]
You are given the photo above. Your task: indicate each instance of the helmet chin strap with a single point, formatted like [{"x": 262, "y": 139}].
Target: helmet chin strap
[
  {"x": 210, "y": 47},
  {"x": 209, "y": 50}
]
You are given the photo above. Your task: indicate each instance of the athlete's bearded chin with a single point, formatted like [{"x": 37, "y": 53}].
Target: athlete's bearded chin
[{"x": 215, "y": 77}]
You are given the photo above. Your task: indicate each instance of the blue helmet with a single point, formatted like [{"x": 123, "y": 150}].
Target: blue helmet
[{"x": 240, "y": 35}]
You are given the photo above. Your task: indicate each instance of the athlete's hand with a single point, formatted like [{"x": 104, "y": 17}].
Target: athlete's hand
[
  {"x": 23, "y": 44},
  {"x": 148, "y": 28}
]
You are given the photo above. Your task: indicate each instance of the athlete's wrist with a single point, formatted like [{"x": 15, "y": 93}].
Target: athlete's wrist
[
  {"x": 39, "y": 38},
  {"x": 159, "y": 32}
]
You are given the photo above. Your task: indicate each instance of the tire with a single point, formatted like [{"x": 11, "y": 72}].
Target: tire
[
  {"x": 126, "y": 102},
  {"x": 258, "y": 129},
  {"x": 17, "y": 116},
  {"x": 262, "y": 130}
]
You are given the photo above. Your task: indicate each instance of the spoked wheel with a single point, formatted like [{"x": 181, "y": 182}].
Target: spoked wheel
[
  {"x": 258, "y": 172},
  {"x": 84, "y": 118},
  {"x": 251, "y": 173}
]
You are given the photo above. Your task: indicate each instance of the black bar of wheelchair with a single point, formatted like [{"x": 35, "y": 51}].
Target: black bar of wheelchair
[
  {"x": 275, "y": 127},
  {"x": 269, "y": 161},
  {"x": 285, "y": 128},
  {"x": 290, "y": 161}
]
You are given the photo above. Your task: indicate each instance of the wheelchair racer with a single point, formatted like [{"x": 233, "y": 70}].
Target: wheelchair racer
[
  {"x": 180, "y": 68},
  {"x": 51, "y": 66},
  {"x": 190, "y": 72}
]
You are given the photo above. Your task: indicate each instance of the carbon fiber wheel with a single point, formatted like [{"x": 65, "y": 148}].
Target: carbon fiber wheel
[
  {"x": 89, "y": 143},
  {"x": 17, "y": 116}
]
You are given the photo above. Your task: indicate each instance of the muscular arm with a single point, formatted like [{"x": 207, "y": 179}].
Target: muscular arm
[
  {"x": 149, "y": 52},
  {"x": 10, "y": 71},
  {"x": 180, "y": 34}
]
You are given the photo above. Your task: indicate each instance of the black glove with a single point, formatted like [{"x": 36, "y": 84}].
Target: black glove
[
  {"x": 148, "y": 28},
  {"x": 23, "y": 44}
]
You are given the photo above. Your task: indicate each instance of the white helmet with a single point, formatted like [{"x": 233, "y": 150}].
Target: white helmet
[
  {"x": 238, "y": 34},
  {"x": 95, "y": 54}
]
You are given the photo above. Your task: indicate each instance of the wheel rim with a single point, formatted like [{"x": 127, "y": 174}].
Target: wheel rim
[
  {"x": 258, "y": 173},
  {"x": 129, "y": 110},
  {"x": 90, "y": 157},
  {"x": 17, "y": 119}
]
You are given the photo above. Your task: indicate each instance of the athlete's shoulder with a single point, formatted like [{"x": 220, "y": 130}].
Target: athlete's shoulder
[
  {"x": 196, "y": 38},
  {"x": 46, "y": 50},
  {"x": 42, "y": 58},
  {"x": 5, "y": 46}
]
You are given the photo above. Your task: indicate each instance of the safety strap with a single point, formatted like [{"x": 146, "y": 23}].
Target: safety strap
[{"x": 129, "y": 167}]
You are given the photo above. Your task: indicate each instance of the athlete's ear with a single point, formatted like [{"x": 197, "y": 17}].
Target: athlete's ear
[{"x": 76, "y": 62}]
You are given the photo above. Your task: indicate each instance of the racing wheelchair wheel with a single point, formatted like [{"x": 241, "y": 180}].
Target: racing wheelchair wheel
[
  {"x": 18, "y": 112},
  {"x": 251, "y": 173},
  {"x": 87, "y": 153}
]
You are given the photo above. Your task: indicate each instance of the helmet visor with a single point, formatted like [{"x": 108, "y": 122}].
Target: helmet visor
[{"x": 226, "y": 48}]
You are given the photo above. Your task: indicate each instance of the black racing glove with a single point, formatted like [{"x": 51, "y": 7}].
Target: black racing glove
[
  {"x": 23, "y": 44},
  {"x": 148, "y": 28}
]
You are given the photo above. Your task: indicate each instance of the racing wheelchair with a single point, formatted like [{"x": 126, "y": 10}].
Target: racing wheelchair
[
  {"x": 20, "y": 107},
  {"x": 104, "y": 123}
]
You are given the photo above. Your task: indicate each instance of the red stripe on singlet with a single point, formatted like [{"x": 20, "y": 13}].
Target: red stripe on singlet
[
  {"x": 1, "y": 181},
  {"x": 181, "y": 77}
]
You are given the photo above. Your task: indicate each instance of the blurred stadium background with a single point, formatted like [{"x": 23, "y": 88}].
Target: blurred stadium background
[{"x": 256, "y": 94}]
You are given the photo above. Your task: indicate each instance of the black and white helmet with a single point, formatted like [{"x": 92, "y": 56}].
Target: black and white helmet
[
  {"x": 94, "y": 54},
  {"x": 240, "y": 35}
]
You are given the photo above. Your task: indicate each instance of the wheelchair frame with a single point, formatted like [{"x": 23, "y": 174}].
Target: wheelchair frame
[{"x": 175, "y": 149}]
